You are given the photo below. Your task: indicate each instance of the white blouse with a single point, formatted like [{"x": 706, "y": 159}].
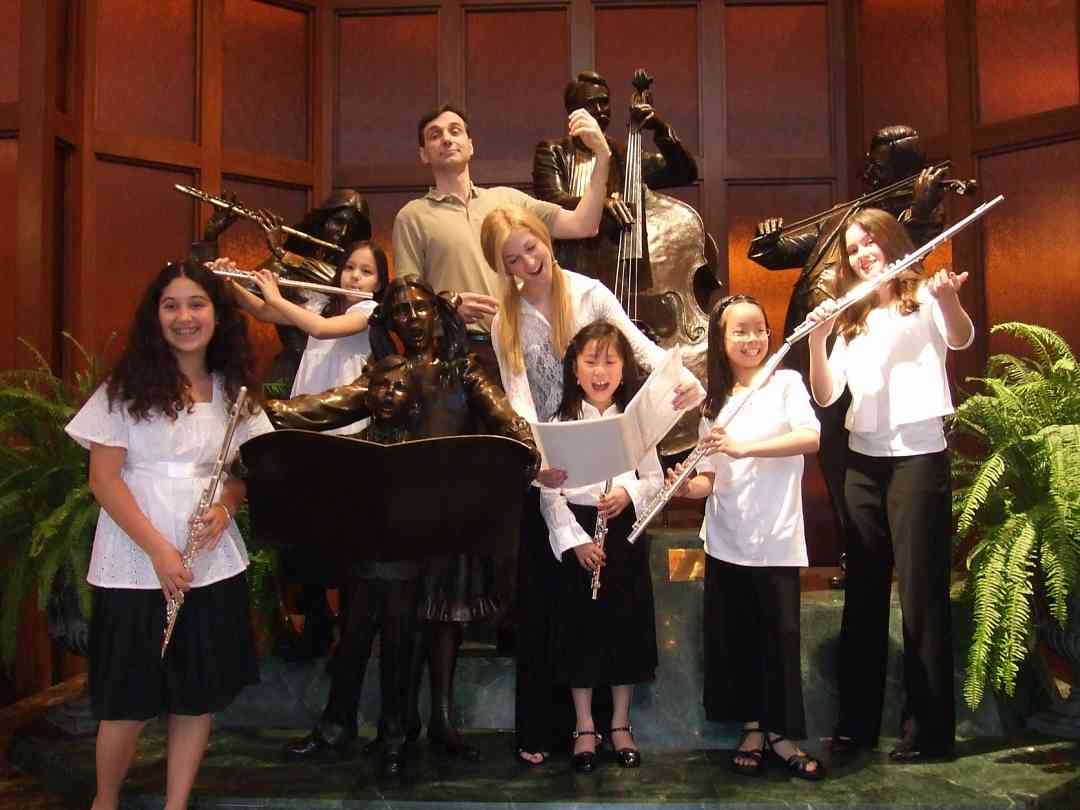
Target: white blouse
[
  {"x": 754, "y": 514},
  {"x": 167, "y": 465},
  {"x": 535, "y": 392},
  {"x": 564, "y": 532},
  {"x": 896, "y": 373},
  {"x": 332, "y": 362}
]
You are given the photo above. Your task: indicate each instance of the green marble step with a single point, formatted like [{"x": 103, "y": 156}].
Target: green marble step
[{"x": 242, "y": 769}]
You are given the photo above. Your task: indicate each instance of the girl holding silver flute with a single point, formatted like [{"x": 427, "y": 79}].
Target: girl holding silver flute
[
  {"x": 154, "y": 430},
  {"x": 604, "y": 628},
  {"x": 890, "y": 353},
  {"x": 755, "y": 543}
]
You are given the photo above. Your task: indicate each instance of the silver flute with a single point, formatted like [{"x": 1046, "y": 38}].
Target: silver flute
[
  {"x": 248, "y": 213},
  {"x": 206, "y": 500},
  {"x": 599, "y": 536},
  {"x": 853, "y": 296},
  {"x": 300, "y": 285}
]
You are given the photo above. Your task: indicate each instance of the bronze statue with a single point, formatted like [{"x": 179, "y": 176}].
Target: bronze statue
[
  {"x": 561, "y": 170},
  {"x": 895, "y": 154},
  {"x": 455, "y": 396},
  {"x": 652, "y": 250},
  {"x": 382, "y": 601}
]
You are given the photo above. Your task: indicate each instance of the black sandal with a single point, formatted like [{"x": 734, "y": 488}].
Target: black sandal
[
  {"x": 585, "y": 762},
  {"x": 799, "y": 762},
  {"x": 628, "y": 757},
  {"x": 756, "y": 755}
]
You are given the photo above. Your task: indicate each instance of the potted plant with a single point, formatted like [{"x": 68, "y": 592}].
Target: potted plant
[
  {"x": 47, "y": 512},
  {"x": 1017, "y": 503}
]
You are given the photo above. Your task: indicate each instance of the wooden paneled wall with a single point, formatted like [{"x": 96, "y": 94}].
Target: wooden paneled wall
[{"x": 104, "y": 104}]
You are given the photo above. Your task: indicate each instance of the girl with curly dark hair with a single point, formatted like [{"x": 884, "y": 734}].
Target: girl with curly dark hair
[{"x": 154, "y": 431}]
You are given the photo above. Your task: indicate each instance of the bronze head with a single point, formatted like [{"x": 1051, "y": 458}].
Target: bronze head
[
  {"x": 591, "y": 93},
  {"x": 895, "y": 154}
]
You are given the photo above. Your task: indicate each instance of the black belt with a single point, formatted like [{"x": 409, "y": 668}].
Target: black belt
[{"x": 480, "y": 337}]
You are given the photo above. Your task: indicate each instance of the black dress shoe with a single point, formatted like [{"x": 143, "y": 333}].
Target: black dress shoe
[
  {"x": 316, "y": 743},
  {"x": 841, "y": 746},
  {"x": 627, "y": 757},
  {"x": 585, "y": 762},
  {"x": 393, "y": 760}
]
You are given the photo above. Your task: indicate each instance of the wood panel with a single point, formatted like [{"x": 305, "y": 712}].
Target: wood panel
[
  {"x": 386, "y": 79},
  {"x": 267, "y": 71},
  {"x": 627, "y": 38},
  {"x": 145, "y": 80},
  {"x": 65, "y": 22},
  {"x": 902, "y": 66},
  {"x": 779, "y": 107},
  {"x": 140, "y": 224},
  {"x": 515, "y": 102},
  {"x": 384, "y": 204},
  {"x": 1029, "y": 242},
  {"x": 9, "y": 161},
  {"x": 1026, "y": 57},
  {"x": 9, "y": 49}
]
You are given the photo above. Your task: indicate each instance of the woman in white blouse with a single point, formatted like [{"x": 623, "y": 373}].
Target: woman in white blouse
[
  {"x": 542, "y": 308},
  {"x": 154, "y": 431},
  {"x": 890, "y": 353}
]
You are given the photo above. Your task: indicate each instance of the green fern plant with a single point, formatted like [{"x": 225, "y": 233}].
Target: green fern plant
[
  {"x": 1017, "y": 496},
  {"x": 47, "y": 512}
]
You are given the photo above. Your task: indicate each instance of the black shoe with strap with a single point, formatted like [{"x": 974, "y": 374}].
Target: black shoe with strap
[
  {"x": 799, "y": 763},
  {"x": 627, "y": 757},
  {"x": 585, "y": 762},
  {"x": 755, "y": 755}
]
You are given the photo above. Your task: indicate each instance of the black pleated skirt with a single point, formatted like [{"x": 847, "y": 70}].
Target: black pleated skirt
[
  {"x": 211, "y": 656},
  {"x": 610, "y": 641},
  {"x": 458, "y": 588}
]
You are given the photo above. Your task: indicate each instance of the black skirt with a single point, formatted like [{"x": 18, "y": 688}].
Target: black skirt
[
  {"x": 211, "y": 656},
  {"x": 458, "y": 588},
  {"x": 610, "y": 641}
]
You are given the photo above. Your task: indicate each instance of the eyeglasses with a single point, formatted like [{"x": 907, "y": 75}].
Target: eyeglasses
[{"x": 741, "y": 336}]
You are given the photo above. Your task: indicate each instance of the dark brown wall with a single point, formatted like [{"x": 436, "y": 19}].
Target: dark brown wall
[{"x": 105, "y": 103}]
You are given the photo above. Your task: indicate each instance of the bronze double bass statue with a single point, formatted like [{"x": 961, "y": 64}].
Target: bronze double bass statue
[{"x": 652, "y": 250}]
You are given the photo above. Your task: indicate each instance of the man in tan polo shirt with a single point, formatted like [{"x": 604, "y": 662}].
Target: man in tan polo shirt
[{"x": 438, "y": 235}]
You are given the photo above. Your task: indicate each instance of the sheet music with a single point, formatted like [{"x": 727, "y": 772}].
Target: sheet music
[{"x": 594, "y": 450}]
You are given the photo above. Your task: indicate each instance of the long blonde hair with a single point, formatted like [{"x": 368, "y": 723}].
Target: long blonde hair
[
  {"x": 497, "y": 227},
  {"x": 895, "y": 243}
]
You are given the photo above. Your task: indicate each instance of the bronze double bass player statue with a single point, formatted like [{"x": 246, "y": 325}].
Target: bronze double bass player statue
[{"x": 652, "y": 250}]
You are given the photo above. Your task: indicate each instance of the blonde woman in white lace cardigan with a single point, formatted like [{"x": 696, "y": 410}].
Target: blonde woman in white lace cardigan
[{"x": 542, "y": 307}]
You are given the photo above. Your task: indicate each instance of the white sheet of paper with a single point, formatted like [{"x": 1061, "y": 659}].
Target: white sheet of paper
[{"x": 594, "y": 450}]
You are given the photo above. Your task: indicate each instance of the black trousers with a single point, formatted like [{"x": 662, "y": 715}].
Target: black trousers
[
  {"x": 544, "y": 711},
  {"x": 752, "y": 646},
  {"x": 386, "y": 607},
  {"x": 901, "y": 518}
]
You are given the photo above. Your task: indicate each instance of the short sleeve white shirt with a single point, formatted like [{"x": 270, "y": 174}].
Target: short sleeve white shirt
[
  {"x": 167, "y": 465},
  {"x": 754, "y": 514},
  {"x": 332, "y": 362}
]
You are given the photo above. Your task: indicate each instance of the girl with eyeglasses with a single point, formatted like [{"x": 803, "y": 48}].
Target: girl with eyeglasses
[{"x": 754, "y": 540}]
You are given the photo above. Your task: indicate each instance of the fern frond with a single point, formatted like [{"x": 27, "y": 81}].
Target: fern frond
[
  {"x": 987, "y": 477},
  {"x": 1049, "y": 346},
  {"x": 1015, "y": 624}
]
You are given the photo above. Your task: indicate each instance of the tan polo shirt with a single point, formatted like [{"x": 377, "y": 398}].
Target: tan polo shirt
[{"x": 438, "y": 238}]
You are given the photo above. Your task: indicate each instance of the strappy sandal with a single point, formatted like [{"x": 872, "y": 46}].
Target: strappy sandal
[
  {"x": 628, "y": 757},
  {"x": 585, "y": 762},
  {"x": 798, "y": 763},
  {"x": 755, "y": 755}
]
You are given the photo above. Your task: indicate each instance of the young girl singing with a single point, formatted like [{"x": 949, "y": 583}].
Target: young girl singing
[
  {"x": 154, "y": 431},
  {"x": 609, "y": 642},
  {"x": 754, "y": 540},
  {"x": 890, "y": 353}
]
